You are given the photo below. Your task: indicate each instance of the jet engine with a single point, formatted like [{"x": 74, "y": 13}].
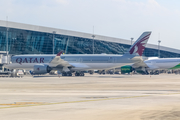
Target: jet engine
[{"x": 41, "y": 69}]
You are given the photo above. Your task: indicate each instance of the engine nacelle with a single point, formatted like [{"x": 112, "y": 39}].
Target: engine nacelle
[
  {"x": 126, "y": 69},
  {"x": 41, "y": 69}
]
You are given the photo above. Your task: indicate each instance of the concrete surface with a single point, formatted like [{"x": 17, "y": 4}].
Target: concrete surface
[{"x": 93, "y": 97}]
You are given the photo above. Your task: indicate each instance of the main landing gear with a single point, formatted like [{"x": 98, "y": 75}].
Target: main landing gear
[
  {"x": 79, "y": 74},
  {"x": 154, "y": 72},
  {"x": 70, "y": 74},
  {"x": 66, "y": 74}
]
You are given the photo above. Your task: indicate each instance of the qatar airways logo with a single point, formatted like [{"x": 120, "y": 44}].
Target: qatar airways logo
[
  {"x": 29, "y": 60},
  {"x": 140, "y": 45}
]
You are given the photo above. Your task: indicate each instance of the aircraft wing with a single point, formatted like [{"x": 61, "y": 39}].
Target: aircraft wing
[
  {"x": 60, "y": 63},
  {"x": 139, "y": 64},
  {"x": 144, "y": 65}
]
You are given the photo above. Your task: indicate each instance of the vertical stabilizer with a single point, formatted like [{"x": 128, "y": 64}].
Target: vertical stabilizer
[{"x": 138, "y": 47}]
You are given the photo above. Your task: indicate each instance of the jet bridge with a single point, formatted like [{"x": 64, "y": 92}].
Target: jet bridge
[{"x": 4, "y": 60}]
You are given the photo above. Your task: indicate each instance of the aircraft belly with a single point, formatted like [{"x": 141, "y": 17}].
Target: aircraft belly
[
  {"x": 167, "y": 65},
  {"x": 101, "y": 65},
  {"x": 26, "y": 66},
  {"x": 98, "y": 66},
  {"x": 77, "y": 66}
]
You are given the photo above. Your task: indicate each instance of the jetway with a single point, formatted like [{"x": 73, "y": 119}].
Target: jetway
[{"x": 4, "y": 59}]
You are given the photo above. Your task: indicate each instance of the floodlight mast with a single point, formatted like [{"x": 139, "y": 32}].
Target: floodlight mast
[
  {"x": 93, "y": 39},
  {"x": 7, "y": 29},
  {"x": 131, "y": 40},
  {"x": 159, "y": 48},
  {"x": 54, "y": 32}
]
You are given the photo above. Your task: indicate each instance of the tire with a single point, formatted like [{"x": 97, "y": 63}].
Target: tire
[
  {"x": 82, "y": 74},
  {"x": 64, "y": 74},
  {"x": 76, "y": 74},
  {"x": 70, "y": 74}
]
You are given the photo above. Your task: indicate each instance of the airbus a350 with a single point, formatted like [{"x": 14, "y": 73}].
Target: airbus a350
[{"x": 68, "y": 63}]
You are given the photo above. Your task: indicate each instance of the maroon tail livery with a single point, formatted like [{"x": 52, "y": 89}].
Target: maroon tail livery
[{"x": 139, "y": 46}]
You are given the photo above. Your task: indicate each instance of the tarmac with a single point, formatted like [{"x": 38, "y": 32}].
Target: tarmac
[{"x": 92, "y": 97}]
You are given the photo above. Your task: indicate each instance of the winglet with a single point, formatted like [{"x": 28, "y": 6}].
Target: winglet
[
  {"x": 139, "y": 46},
  {"x": 59, "y": 54}
]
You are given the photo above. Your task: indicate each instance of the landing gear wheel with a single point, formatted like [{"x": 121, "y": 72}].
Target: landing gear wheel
[
  {"x": 79, "y": 74},
  {"x": 82, "y": 74},
  {"x": 76, "y": 74},
  {"x": 69, "y": 74},
  {"x": 64, "y": 74},
  {"x": 151, "y": 73}
]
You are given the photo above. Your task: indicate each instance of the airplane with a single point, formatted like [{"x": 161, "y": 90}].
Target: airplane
[
  {"x": 154, "y": 63},
  {"x": 69, "y": 63}
]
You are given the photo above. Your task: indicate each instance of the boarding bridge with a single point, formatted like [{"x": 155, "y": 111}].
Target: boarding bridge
[{"x": 4, "y": 59}]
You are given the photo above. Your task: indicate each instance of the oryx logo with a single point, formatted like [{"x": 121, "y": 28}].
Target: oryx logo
[{"x": 140, "y": 46}]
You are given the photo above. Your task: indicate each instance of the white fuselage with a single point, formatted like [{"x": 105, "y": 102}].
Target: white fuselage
[
  {"x": 79, "y": 62},
  {"x": 162, "y": 63}
]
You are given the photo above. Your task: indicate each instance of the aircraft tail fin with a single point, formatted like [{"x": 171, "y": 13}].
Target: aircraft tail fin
[{"x": 138, "y": 47}]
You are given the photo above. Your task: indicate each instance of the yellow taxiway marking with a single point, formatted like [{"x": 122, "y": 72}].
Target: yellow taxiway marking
[
  {"x": 28, "y": 104},
  {"x": 23, "y": 103}
]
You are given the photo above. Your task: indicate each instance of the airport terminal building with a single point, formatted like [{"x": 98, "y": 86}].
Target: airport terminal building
[{"x": 31, "y": 39}]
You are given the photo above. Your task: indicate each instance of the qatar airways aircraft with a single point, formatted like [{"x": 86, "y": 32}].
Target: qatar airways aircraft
[{"x": 68, "y": 63}]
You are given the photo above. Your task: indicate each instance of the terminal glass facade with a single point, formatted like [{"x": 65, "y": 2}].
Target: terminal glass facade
[{"x": 33, "y": 42}]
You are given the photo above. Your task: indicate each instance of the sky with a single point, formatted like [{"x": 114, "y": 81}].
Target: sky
[{"x": 114, "y": 18}]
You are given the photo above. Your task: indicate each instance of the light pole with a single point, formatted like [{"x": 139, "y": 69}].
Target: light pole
[
  {"x": 93, "y": 42},
  {"x": 131, "y": 40},
  {"x": 159, "y": 48},
  {"x": 7, "y": 44},
  {"x": 54, "y": 32},
  {"x": 7, "y": 29},
  {"x": 93, "y": 39}
]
